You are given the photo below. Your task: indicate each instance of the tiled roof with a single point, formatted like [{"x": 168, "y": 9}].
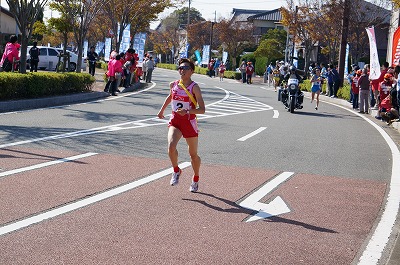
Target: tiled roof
[
  {"x": 241, "y": 15},
  {"x": 272, "y": 15}
]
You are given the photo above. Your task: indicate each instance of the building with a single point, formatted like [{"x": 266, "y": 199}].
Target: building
[{"x": 8, "y": 26}]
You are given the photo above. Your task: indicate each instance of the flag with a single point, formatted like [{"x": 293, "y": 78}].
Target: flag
[
  {"x": 375, "y": 68},
  {"x": 396, "y": 47}
]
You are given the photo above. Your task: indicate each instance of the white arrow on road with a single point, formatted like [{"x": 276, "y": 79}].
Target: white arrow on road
[{"x": 264, "y": 210}]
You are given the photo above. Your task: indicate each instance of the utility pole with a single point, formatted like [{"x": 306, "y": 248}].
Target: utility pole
[
  {"x": 211, "y": 35},
  {"x": 188, "y": 23},
  {"x": 343, "y": 39}
]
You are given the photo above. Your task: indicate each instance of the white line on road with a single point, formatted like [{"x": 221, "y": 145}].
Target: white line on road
[
  {"x": 376, "y": 245},
  {"x": 85, "y": 202},
  {"x": 276, "y": 114},
  {"x": 46, "y": 164},
  {"x": 244, "y": 138}
]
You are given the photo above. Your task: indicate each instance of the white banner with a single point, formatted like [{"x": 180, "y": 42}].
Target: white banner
[
  {"x": 375, "y": 68},
  {"x": 206, "y": 54},
  {"x": 346, "y": 61},
  {"x": 107, "y": 49}
]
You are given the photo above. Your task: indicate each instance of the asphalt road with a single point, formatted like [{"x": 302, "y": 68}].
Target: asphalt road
[{"x": 88, "y": 183}]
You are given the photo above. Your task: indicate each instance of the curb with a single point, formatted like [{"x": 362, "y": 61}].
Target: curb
[
  {"x": 38, "y": 103},
  {"x": 24, "y": 104}
]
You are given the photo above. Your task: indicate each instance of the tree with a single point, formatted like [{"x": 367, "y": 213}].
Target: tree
[
  {"x": 237, "y": 37},
  {"x": 62, "y": 24},
  {"x": 137, "y": 13},
  {"x": 80, "y": 14},
  {"x": 26, "y": 13}
]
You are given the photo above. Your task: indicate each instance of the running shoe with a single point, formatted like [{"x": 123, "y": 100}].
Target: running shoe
[
  {"x": 194, "y": 186},
  {"x": 175, "y": 178}
]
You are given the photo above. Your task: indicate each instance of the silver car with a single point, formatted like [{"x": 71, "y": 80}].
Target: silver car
[{"x": 49, "y": 59}]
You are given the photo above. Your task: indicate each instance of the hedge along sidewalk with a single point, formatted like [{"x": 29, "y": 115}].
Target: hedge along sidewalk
[{"x": 45, "y": 89}]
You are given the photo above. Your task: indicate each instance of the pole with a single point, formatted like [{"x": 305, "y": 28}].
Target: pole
[
  {"x": 343, "y": 39},
  {"x": 188, "y": 23},
  {"x": 294, "y": 33}
]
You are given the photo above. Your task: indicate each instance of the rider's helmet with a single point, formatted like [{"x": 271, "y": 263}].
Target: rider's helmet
[{"x": 292, "y": 69}]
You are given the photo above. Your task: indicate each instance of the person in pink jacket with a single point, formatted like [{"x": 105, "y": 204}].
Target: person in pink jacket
[{"x": 10, "y": 52}]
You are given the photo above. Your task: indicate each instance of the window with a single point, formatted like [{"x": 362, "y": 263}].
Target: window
[
  {"x": 53, "y": 52},
  {"x": 43, "y": 51}
]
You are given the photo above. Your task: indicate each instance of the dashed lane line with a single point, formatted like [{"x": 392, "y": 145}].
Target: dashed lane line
[{"x": 11, "y": 227}]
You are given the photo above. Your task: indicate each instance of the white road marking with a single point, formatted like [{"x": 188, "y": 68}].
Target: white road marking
[
  {"x": 216, "y": 109},
  {"x": 46, "y": 164},
  {"x": 85, "y": 202},
  {"x": 264, "y": 210},
  {"x": 244, "y": 138},
  {"x": 376, "y": 245},
  {"x": 276, "y": 114}
]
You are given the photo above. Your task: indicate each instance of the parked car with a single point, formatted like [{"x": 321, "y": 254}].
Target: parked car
[{"x": 49, "y": 58}]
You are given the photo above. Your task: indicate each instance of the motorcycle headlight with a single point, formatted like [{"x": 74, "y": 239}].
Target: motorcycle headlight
[{"x": 292, "y": 86}]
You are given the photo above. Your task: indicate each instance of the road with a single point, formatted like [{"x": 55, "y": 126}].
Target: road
[{"x": 89, "y": 183}]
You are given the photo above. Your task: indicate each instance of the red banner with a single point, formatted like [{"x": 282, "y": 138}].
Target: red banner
[{"x": 396, "y": 48}]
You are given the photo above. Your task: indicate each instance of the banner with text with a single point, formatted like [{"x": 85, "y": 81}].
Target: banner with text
[
  {"x": 206, "y": 54},
  {"x": 138, "y": 44},
  {"x": 375, "y": 68},
  {"x": 396, "y": 47}
]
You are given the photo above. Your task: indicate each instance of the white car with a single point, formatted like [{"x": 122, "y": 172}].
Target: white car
[{"x": 49, "y": 58}]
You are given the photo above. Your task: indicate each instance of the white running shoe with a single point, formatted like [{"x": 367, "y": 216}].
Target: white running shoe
[
  {"x": 175, "y": 178},
  {"x": 194, "y": 186}
]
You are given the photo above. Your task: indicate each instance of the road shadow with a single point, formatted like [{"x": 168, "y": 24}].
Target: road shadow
[{"x": 235, "y": 208}]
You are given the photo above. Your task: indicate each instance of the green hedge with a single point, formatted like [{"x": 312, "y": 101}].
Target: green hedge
[{"x": 41, "y": 84}]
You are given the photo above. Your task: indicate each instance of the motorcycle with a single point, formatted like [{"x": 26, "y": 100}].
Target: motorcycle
[{"x": 291, "y": 95}]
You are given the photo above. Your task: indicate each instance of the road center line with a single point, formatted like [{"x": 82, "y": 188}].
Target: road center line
[
  {"x": 46, "y": 164},
  {"x": 85, "y": 202},
  {"x": 244, "y": 138}
]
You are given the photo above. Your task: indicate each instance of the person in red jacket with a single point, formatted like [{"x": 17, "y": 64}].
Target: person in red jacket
[
  {"x": 355, "y": 88},
  {"x": 375, "y": 84},
  {"x": 249, "y": 72},
  {"x": 384, "y": 95}
]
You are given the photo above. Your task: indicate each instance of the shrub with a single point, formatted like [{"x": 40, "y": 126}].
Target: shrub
[{"x": 41, "y": 84}]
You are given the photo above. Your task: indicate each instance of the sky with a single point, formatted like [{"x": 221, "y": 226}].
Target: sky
[{"x": 223, "y": 8}]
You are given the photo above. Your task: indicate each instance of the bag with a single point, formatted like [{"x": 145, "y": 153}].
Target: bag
[{"x": 7, "y": 65}]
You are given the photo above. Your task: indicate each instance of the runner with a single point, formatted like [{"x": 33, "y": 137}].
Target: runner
[{"x": 186, "y": 101}]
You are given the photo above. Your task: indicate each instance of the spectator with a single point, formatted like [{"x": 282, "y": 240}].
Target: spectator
[
  {"x": 269, "y": 73},
  {"x": 92, "y": 57},
  {"x": 249, "y": 72},
  {"x": 150, "y": 67},
  {"x": 34, "y": 53},
  {"x": 375, "y": 84},
  {"x": 384, "y": 95},
  {"x": 363, "y": 84},
  {"x": 242, "y": 69},
  {"x": 10, "y": 54},
  {"x": 355, "y": 88},
  {"x": 336, "y": 80}
]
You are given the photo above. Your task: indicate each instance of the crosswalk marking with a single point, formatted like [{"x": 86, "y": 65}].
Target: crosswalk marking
[{"x": 231, "y": 104}]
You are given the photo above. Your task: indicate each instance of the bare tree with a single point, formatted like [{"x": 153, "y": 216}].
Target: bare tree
[{"x": 26, "y": 13}]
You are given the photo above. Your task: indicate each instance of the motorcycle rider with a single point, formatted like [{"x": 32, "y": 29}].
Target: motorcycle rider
[{"x": 292, "y": 77}]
